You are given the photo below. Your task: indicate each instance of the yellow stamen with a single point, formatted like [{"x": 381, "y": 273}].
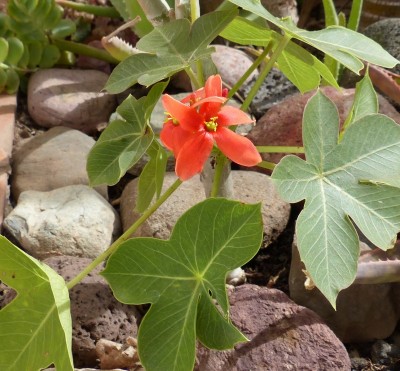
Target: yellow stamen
[
  {"x": 212, "y": 124},
  {"x": 170, "y": 118}
]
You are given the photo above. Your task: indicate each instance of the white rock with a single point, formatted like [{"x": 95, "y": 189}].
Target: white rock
[
  {"x": 249, "y": 187},
  {"x": 73, "y": 220},
  {"x": 72, "y": 98},
  {"x": 54, "y": 159}
]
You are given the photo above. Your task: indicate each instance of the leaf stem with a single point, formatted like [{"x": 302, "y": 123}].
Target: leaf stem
[
  {"x": 194, "y": 10},
  {"x": 102, "y": 11},
  {"x": 82, "y": 49},
  {"x": 193, "y": 78},
  {"x": 124, "y": 236},
  {"x": 355, "y": 15},
  {"x": 219, "y": 169},
  {"x": 266, "y": 165},
  {"x": 263, "y": 74},
  {"x": 255, "y": 64},
  {"x": 279, "y": 149}
]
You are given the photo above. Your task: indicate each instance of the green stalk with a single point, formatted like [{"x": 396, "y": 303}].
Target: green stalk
[
  {"x": 267, "y": 68},
  {"x": 98, "y": 10},
  {"x": 279, "y": 149},
  {"x": 219, "y": 168},
  {"x": 193, "y": 78},
  {"x": 194, "y": 10},
  {"x": 125, "y": 236},
  {"x": 83, "y": 49},
  {"x": 355, "y": 15},
  {"x": 255, "y": 64},
  {"x": 267, "y": 165}
]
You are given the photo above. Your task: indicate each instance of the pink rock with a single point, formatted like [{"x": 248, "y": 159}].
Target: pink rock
[
  {"x": 3, "y": 196},
  {"x": 8, "y": 104},
  {"x": 282, "y": 124},
  {"x": 282, "y": 336}
]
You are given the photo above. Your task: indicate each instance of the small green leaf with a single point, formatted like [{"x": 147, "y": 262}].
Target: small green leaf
[
  {"x": 172, "y": 47},
  {"x": 124, "y": 141},
  {"x": 64, "y": 28},
  {"x": 177, "y": 277},
  {"x": 346, "y": 46},
  {"x": 3, "y": 49},
  {"x": 365, "y": 101},
  {"x": 152, "y": 177},
  {"x": 36, "y": 328},
  {"x": 357, "y": 178}
]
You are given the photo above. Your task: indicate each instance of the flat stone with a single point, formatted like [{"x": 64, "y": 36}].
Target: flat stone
[
  {"x": 282, "y": 336},
  {"x": 249, "y": 187},
  {"x": 72, "y": 98},
  {"x": 73, "y": 220},
  {"x": 54, "y": 159}
]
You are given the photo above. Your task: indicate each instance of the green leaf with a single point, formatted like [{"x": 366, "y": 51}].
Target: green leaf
[
  {"x": 179, "y": 275},
  {"x": 36, "y": 328},
  {"x": 357, "y": 178},
  {"x": 299, "y": 66},
  {"x": 346, "y": 46},
  {"x": 152, "y": 176},
  {"x": 172, "y": 47},
  {"x": 124, "y": 141}
]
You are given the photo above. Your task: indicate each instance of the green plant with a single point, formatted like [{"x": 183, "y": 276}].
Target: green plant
[{"x": 346, "y": 174}]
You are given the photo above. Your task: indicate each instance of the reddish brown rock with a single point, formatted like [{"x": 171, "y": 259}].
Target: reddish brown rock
[
  {"x": 283, "y": 336},
  {"x": 96, "y": 314},
  {"x": 281, "y": 125}
]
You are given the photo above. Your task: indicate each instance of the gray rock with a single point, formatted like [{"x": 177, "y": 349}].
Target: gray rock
[
  {"x": 386, "y": 33},
  {"x": 73, "y": 98},
  {"x": 54, "y": 159},
  {"x": 363, "y": 312},
  {"x": 249, "y": 187},
  {"x": 275, "y": 88},
  {"x": 282, "y": 336},
  {"x": 73, "y": 220},
  {"x": 96, "y": 314},
  {"x": 231, "y": 64}
]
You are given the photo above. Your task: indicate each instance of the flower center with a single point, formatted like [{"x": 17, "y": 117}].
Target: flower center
[
  {"x": 212, "y": 124},
  {"x": 170, "y": 118}
]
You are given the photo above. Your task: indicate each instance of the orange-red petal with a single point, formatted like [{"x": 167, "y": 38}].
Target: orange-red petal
[
  {"x": 187, "y": 117},
  {"x": 213, "y": 88},
  {"x": 167, "y": 135},
  {"x": 229, "y": 115},
  {"x": 237, "y": 148},
  {"x": 193, "y": 155}
]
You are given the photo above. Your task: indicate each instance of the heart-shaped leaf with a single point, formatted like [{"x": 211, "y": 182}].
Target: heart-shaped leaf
[
  {"x": 172, "y": 47},
  {"x": 357, "y": 178},
  {"x": 35, "y": 328},
  {"x": 181, "y": 277}
]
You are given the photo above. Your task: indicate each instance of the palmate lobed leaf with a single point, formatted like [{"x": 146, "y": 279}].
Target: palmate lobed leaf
[
  {"x": 168, "y": 49},
  {"x": 35, "y": 328},
  {"x": 346, "y": 46},
  {"x": 357, "y": 178},
  {"x": 302, "y": 68},
  {"x": 177, "y": 275}
]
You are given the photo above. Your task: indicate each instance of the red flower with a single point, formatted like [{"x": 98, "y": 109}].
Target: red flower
[{"x": 191, "y": 130}]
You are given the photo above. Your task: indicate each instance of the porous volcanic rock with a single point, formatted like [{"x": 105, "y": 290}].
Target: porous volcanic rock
[{"x": 282, "y": 336}]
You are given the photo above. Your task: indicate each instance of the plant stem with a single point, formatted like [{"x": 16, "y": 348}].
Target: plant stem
[
  {"x": 124, "y": 236},
  {"x": 279, "y": 149},
  {"x": 219, "y": 169},
  {"x": 82, "y": 49},
  {"x": 267, "y": 165},
  {"x": 355, "y": 15},
  {"x": 194, "y": 10},
  {"x": 255, "y": 64},
  {"x": 263, "y": 74},
  {"x": 102, "y": 11},
  {"x": 193, "y": 78}
]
